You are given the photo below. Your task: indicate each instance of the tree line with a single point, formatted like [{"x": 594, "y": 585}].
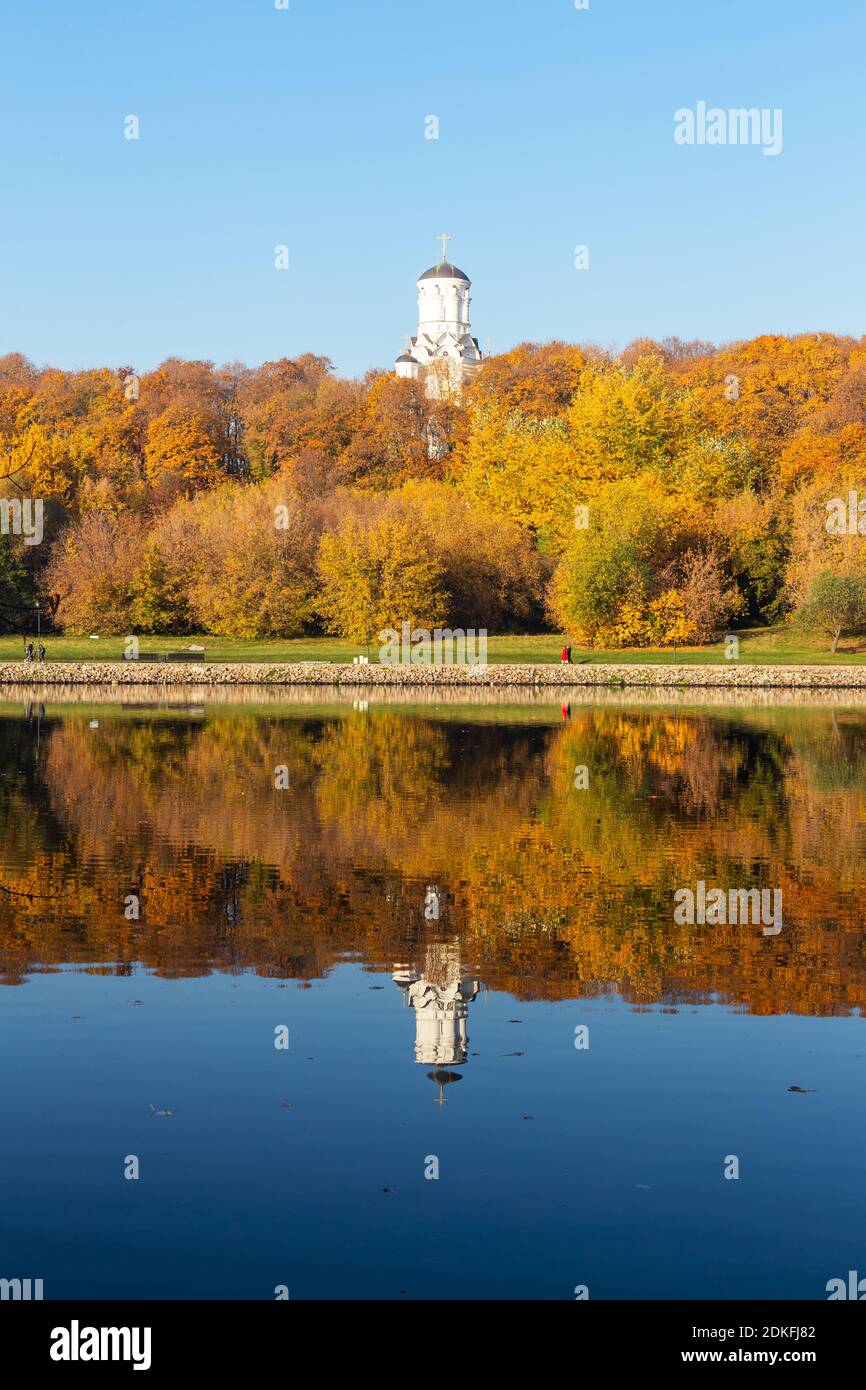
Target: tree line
[{"x": 652, "y": 496}]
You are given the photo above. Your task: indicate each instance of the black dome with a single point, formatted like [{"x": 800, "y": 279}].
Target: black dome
[{"x": 445, "y": 271}]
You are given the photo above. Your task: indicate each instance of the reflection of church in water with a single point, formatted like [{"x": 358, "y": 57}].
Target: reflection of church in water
[{"x": 440, "y": 993}]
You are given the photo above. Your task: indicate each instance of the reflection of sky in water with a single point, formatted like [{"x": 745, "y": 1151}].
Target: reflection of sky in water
[
  {"x": 431, "y": 901},
  {"x": 557, "y": 1166}
]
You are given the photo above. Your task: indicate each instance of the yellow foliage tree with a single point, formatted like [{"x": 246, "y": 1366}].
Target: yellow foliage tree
[
  {"x": 181, "y": 449},
  {"x": 378, "y": 576}
]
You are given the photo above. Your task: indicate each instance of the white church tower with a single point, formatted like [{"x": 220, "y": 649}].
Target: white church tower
[{"x": 443, "y": 352}]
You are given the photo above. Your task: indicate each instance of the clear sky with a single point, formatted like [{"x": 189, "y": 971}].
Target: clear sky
[{"x": 306, "y": 127}]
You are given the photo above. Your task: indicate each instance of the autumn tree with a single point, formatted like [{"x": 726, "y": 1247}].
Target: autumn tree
[
  {"x": 522, "y": 468},
  {"x": 293, "y": 406},
  {"x": 378, "y": 575},
  {"x": 709, "y": 597},
  {"x": 399, "y": 434},
  {"x": 159, "y": 601},
  {"x": 491, "y": 573},
  {"x": 181, "y": 452},
  {"x": 626, "y": 422},
  {"x": 252, "y": 567},
  {"x": 751, "y": 533},
  {"x": 609, "y": 587},
  {"x": 91, "y": 569},
  {"x": 540, "y": 380}
]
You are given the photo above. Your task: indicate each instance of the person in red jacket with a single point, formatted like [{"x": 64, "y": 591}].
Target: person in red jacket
[{"x": 566, "y": 655}]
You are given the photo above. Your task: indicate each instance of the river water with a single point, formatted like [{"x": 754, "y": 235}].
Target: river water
[{"x": 411, "y": 978}]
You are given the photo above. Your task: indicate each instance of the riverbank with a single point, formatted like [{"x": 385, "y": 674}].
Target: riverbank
[{"x": 493, "y": 677}]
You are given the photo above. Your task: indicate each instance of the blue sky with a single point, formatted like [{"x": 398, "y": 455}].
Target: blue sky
[{"x": 306, "y": 127}]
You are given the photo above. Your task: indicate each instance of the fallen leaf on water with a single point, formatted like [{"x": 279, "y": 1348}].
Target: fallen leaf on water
[
  {"x": 511, "y": 1054},
  {"x": 802, "y": 1090},
  {"x": 153, "y": 1110}
]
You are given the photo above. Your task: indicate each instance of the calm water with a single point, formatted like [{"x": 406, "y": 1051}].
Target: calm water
[{"x": 430, "y": 906}]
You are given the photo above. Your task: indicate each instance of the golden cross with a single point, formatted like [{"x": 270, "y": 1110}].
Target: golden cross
[{"x": 443, "y": 238}]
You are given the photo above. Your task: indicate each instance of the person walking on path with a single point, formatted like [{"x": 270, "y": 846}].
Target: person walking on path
[
  {"x": 566, "y": 655},
  {"x": 41, "y": 650}
]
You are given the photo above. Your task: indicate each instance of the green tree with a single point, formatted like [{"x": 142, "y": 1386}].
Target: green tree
[
  {"x": 835, "y": 604},
  {"x": 17, "y": 593}
]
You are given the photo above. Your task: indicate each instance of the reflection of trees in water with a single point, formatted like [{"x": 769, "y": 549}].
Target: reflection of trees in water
[
  {"x": 687, "y": 766},
  {"x": 552, "y": 891}
]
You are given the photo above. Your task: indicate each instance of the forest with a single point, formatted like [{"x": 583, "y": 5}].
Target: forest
[{"x": 657, "y": 495}]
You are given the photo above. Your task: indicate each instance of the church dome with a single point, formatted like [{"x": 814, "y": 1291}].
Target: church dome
[
  {"x": 405, "y": 357},
  {"x": 445, "y": 271}
]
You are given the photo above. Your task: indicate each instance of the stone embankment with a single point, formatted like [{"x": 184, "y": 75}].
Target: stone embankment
[{"x": 732, "y": 675}]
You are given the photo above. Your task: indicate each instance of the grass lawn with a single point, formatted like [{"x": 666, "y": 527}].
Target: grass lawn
[{"x": 766, "y": 646}]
